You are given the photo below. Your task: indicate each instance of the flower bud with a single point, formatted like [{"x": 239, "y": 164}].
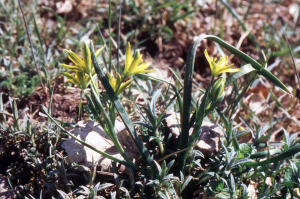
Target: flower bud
[{"x": 218, "y": 88}]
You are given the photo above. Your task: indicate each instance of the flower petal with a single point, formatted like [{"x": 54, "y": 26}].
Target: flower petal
[
  {"x": 207, "y": 56},
  {"x": 74, "y": 58},
  {"x": 143, "y": 66},
  {"x": 87, "y": 81},
  {"x": 86, "y": 57},
  {"x": 209, "y": 60},
  {"x": 128, "y": 59},
  {"x": 112, "y": 81},
  {"x": 69, "y": 67},
  {"x": 137, "y": 60},
  {"x": 99, "y": 51},
  {"x": 80, "y": 77},
  {"x": 71, "y": 78},
  {"x": 118, "y": 82},
  {"x": 124, "y": 86},
  {"x": 220, "y": 66},
  {"x": 229, "y": 70},
  {"x": 142, "y": 71},
  {"x": 222, "y": 62}
]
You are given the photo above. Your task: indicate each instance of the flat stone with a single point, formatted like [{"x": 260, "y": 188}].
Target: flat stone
[{"x": 92, "y": 133}]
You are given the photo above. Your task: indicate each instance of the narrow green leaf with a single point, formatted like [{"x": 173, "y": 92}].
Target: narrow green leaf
[
  {"x": 123, "y": 114},
  {"x": 94, "y": 111},
  {"x": 281, "y": 157},
  {"x": 110, "y": 127},
  {"x": 260, "y": 69},
  {"x": 234, "y": 76},
  {"x": 236, "y": 15}
]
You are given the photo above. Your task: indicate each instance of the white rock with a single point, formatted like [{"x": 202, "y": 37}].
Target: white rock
[
  {"x": 93, "y": 134},
  {"x": 210, "y": 137}
]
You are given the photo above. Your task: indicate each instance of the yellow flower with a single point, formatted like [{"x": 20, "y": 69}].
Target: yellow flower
[
  {"x": 81, "y": 65},
  {"x": 80, "y": 79},
  {"x": 220, "y": 67},
  {"x": 117, "y": 85},
  {"x": 133, "y": 66}
]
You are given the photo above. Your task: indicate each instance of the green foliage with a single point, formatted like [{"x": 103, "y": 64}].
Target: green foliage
[
  {"x": 20, "y": 85},
  {"x": 170, "y": 167},
  {"x": 157, "y": 18}
]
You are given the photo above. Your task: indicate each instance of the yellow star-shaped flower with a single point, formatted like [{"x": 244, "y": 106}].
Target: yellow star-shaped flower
[
  {"x": 81, "y": 65},
  {"x": 80, "y": 79},
  {"x": 220, "y": 67},
  {"x": 132, "y": 65},
  {"x": 117, "y": 85}
]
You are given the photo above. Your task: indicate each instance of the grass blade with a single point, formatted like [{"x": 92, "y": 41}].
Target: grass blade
[
  {"x": 281, "y": 157},
  {"x": 235, "y": 14},
  {"x": 291, "y": 52},
  {"x": 31, "y": 47}
]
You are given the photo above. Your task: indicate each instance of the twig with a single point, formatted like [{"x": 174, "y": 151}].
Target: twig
[
  {"x": 31, "y": 47},
  {"x": 286, "y": 20},
  {"x": 241, "y": 41},
  {"x": 293, "y": 59}
]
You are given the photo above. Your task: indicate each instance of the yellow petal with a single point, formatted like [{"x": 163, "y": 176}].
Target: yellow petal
[
  {"x": 69, "y": 67},
  {"x": 207, "y": 56},
  {"x": 222, "y": 62},
  {"x": 112, "y": 81},
  {"x": 208, "y": 59},
  {"x": 220, "y": 66},
  {"x": 137, "y": 60},
  {"x": 230, "y": 70},
  {"x": 124, "y": 86},
  {"x": 87, "y": 81},
  {"x": 74, "y": 58},
  {"x": 71, "y": 78},
  {"x": 143, "y": 66},
  {"x": 133, "y": 65},
  {"x": 99, "y": 51},
  {"x": 142, "y": 71},
  {"x": 87, "y": 59},
  {"x": 128, "y": 59}
]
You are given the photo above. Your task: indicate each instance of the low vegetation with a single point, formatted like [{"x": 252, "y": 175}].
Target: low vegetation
[{"x": 117, "y": 81}]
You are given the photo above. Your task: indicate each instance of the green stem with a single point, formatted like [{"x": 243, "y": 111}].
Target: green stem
[
  {"x": 222, "y": 116},
  {"x": 160, "y": 144},
  {"x": 117, "y": 90},
  {"x": 112, "y": 113},
  {"x": 93, "y": 83},
  {"x": 109, "y": 33},
  {"x": 109, "y": 127},
  {"x": 80, "y": 106}
]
